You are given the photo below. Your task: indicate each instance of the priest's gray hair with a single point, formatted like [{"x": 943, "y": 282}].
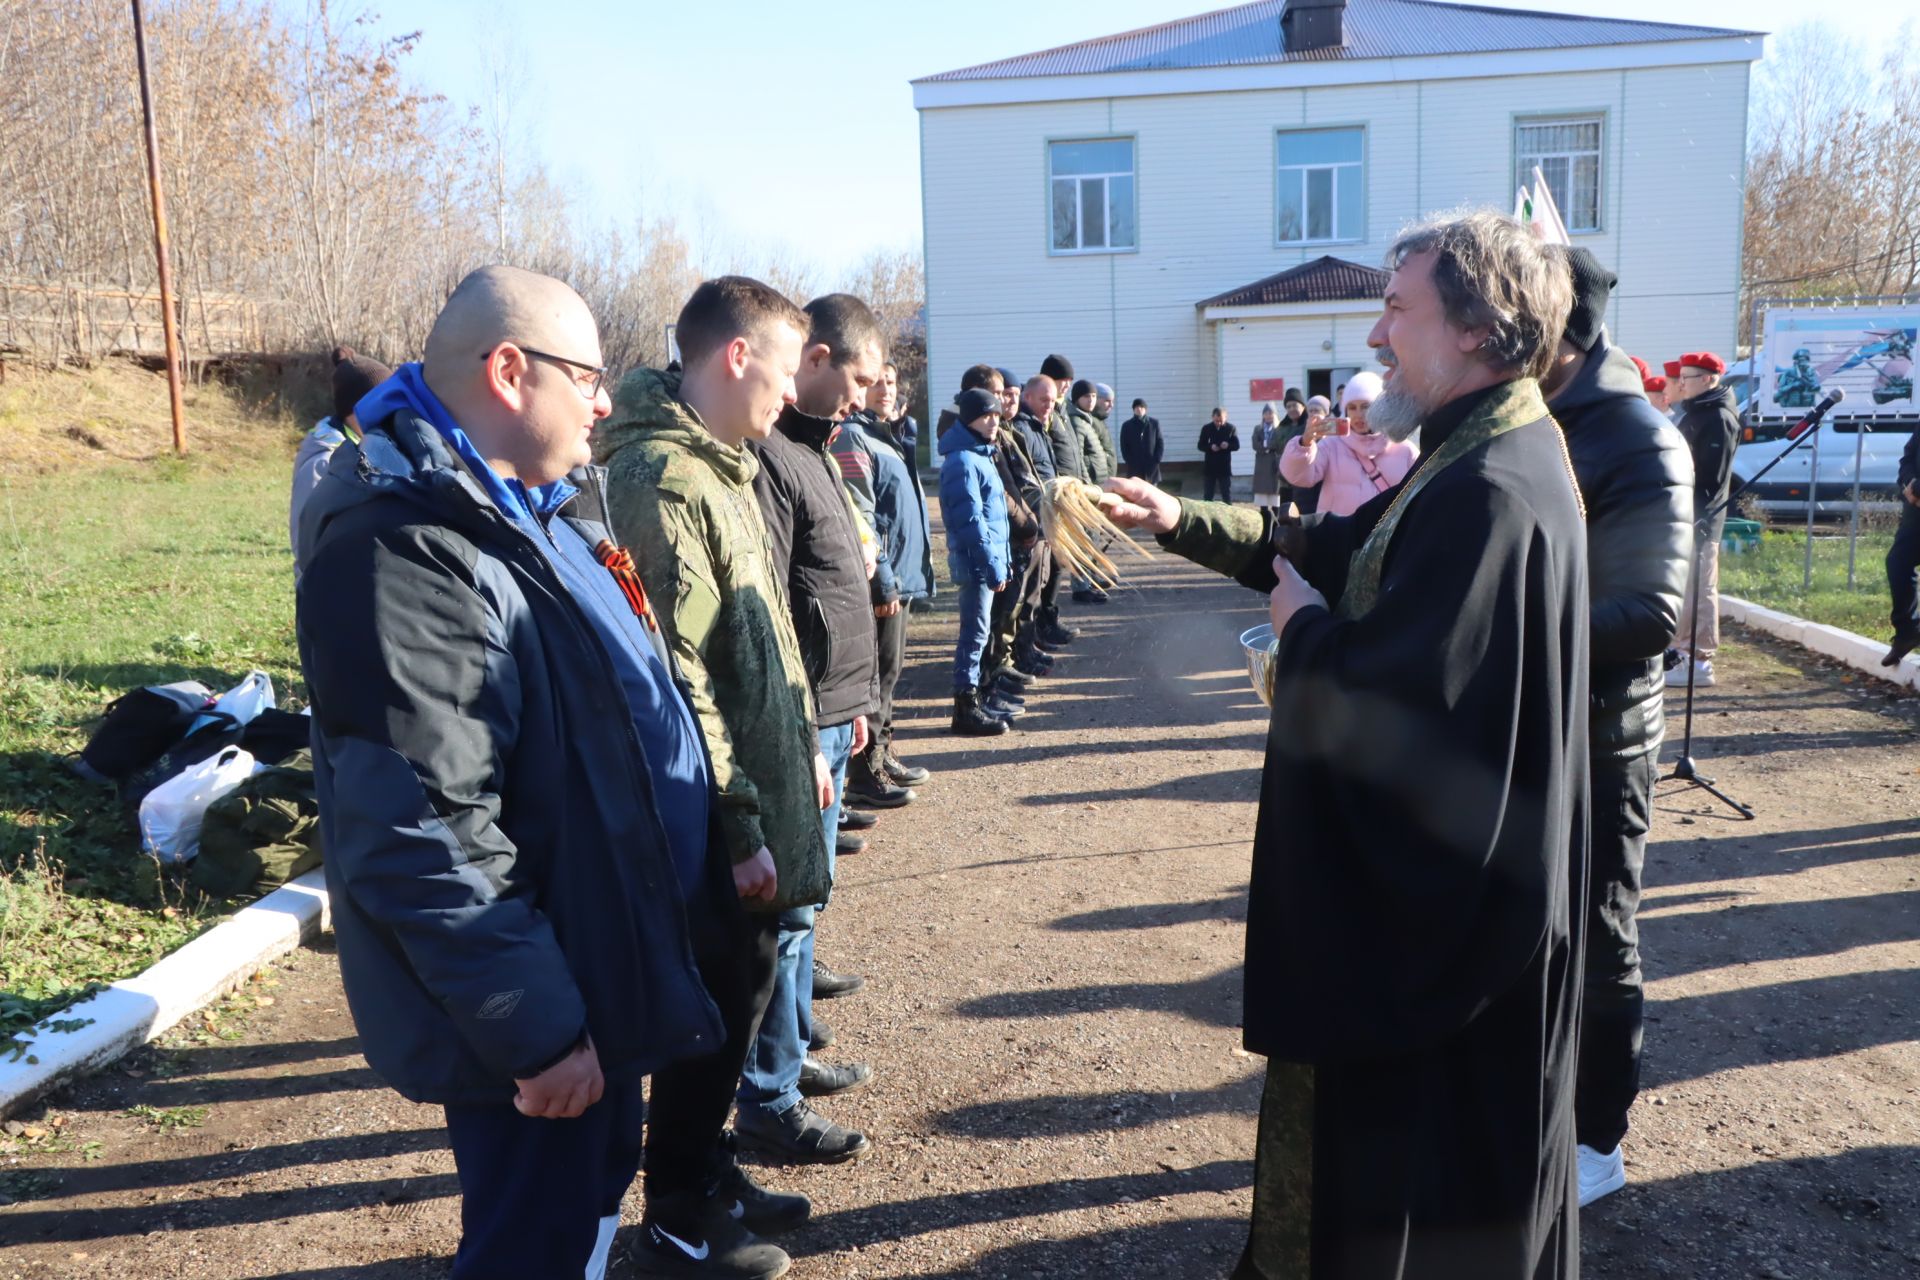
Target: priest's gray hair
[{"x": 1494, "y": 274}]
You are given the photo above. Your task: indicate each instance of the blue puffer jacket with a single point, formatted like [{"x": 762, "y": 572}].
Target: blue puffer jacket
[
  {"x": 973, "y": 506},
  {"x": 500, "y": 872}
]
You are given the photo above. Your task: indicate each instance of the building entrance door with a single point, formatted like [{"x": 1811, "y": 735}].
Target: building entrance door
[{"x": 1330, "y": 382}]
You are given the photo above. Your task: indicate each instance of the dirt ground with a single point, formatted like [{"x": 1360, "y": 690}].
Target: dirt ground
[{"x": 1052, "y": 935}]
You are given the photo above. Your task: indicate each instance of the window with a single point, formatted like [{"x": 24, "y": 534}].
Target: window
[
  {"x": 1321, "y": 194},
  {"x": 1092, "y": 195},
  {"x": 1568, "y": 154}
]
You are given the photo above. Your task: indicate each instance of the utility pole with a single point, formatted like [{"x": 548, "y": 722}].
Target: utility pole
[{"x": 174, "y": 393}]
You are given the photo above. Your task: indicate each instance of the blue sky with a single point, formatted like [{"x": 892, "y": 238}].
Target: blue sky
[{"x": 784, "y": 130}]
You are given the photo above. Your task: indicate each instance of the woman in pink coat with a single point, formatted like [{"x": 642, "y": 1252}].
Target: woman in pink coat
[{"x": 1348, "y": 460}]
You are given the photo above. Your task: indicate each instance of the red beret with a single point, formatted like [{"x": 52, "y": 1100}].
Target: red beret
[
  {"x": 1654, "y": 384},
  {"x": 1703, "y": 360},
  {"x": 1641, "y": 365},
  {"x": 1672, "y": 367}
]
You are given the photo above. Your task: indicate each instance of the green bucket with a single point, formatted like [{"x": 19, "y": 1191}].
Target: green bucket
[{"x": 1739, "y": 536}]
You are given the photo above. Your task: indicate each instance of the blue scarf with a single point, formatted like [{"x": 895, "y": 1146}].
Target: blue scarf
[{"x": 407, "y": 391}]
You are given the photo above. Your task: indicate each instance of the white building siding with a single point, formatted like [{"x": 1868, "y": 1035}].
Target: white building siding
[{"x": 1671, "y": 208}]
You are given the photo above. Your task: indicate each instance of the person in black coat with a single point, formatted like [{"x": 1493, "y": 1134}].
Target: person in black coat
[
  {"x": 1710, "y": 424},
  {"x": 1636, "y": 478},
  {"x": 1903, "y": 558},
  {"x": 1141, "y": 446},
  {"x": 1219, "y": 441}
]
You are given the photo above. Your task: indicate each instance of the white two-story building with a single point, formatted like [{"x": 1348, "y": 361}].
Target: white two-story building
[{"x": 1197, "y": 212}]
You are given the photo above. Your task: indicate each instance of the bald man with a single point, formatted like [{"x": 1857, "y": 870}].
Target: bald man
[{"x": 514, "y": 794}]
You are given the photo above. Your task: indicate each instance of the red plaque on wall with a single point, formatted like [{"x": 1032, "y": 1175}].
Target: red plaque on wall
[{"x": 1266, "y": 388}]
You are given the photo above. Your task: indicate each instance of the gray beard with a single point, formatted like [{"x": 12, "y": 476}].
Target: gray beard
[{"x": 1395, "y": 414}]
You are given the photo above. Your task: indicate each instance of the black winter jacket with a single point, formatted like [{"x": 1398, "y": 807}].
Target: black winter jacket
[
  {"x": 816, "y": 551},
  {"x": 1141, "y": 447},
  {"x": 1910, "y": 462},
  {"x": 1218, "y": 463},
  {"x": 1636, "y": 479},
  {"x": 1033, "y": 433},
  {"x": 1711, "y": 428},
  {"x": 499, "y": 873}
]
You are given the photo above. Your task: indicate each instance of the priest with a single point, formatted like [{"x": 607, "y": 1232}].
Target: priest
[{"x": 1416, "y": 912}]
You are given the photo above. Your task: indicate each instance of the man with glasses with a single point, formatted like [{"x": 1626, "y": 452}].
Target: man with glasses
[
  {"x": 531, "y": 910},
  {"x": 1710, "y": 423}
]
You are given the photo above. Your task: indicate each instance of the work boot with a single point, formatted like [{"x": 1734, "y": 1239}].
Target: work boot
[
  {"x": 846, "y": 844},
  {"x": 970, "y": 720},
  {"x": 1051, "y": 630},
  {"x": 1029, "y": 660},
  {"x": 799, "y": 1135},
  {"x": 868, "y": 784},
  {"x": 822, "y": 1080},
  {"x": 906, "y": 775},
  {"x": 691, "y": 1234},
  {"x": 828, "y": 985},
  {"x": 1009, "y": 676},
  {"x": 852, "y": 819}
]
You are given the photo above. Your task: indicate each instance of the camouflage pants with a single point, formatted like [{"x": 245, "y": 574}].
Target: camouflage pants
[{"x": 1278, "y": 1246}]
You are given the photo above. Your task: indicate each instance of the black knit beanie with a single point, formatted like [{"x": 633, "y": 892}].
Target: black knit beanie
[
  {"x": 353, "y": 376},
  {"x": 1059, "y": 368},
  {"x": 1080, "y": 388},
  {"x": 1592, "y": 286}
]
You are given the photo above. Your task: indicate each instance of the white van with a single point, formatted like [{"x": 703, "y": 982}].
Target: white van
[{"x": 1785, "y": 489}]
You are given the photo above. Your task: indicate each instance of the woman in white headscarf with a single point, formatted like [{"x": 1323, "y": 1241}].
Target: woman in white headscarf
[{"x": 1348, "y": 460}]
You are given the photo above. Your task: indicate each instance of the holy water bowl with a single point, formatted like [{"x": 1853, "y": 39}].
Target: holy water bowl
[{"x": 1261, "y": 648}]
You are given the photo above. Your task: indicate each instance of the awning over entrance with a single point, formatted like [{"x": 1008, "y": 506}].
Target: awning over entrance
[{"x": 1325, "y": 279}]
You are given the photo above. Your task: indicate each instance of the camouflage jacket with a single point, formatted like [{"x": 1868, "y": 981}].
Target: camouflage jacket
[{"x": 683, "y": 504}]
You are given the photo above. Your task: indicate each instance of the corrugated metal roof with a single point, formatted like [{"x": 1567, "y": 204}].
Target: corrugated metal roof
[
  {"x": 1325, "y": 279},
  {"x": 1250, "y": 34}
]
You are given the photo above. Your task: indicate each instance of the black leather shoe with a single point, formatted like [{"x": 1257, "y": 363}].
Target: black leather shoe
[
  {"x": 822, "y": 1080},
  {"x": 1904, "y": 643},
  {"x": 907, "y": 775},
  {"x": 845, "y": 844},
  {"x": 852, "y": 819},
  {"x": 828, "y": 985},
  {"x": 822, "y": 1037},
  {"x": 799, "y": 1135}
]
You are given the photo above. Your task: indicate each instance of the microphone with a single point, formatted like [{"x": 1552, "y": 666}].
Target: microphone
[{"x": 1812, "y": 420}]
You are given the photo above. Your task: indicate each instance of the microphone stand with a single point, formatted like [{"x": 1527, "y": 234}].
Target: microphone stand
[{"x": 1684, "y": 768}]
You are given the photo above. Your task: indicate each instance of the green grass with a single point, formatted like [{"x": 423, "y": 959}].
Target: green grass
[
  {"x": 114, "y": 576},
  {"x": 1771, "y": 576}
]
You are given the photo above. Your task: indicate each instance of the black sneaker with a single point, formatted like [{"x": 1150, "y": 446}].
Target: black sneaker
[
  {"x": 799, "y": 1135},
  {"x": 846, "y": 844},
  {"x": 907, "y": 775},
  {"x": 763, "y": 1212},
  {"x": 822, "y": 1080},
  {"x": 1007, "y": 675},
  {"x": 852, "y": 819},
  {"x": 678, "y": 1241},
  {"x": 822, "y": 1037},
  {"x": 828, "y": 985},
  {"x": 995, "y": 705}
]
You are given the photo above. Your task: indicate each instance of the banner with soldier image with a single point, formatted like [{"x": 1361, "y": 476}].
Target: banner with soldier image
[{"x": 1866, "y": 351}]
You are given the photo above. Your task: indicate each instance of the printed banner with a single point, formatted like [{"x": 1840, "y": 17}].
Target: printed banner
[{"x": 1866, "y": 351}]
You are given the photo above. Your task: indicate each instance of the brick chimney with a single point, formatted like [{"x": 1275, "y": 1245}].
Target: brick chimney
[{"x": 1307, "y": 25}]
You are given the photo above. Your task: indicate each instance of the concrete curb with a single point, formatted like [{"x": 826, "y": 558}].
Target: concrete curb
[
  {"x": 1856, "y": 651},
  {"x": 131, "y": 1012}
]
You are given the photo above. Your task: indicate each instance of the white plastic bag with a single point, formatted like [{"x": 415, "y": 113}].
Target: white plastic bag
[
  {"x": 242, "y": 702},
  {"x": 171, "y": 815}
]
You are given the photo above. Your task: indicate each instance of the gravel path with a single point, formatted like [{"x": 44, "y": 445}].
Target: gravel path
[{"x": 1052, "y": 937}]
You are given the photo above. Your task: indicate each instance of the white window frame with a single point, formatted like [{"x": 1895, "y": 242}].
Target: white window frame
[
  {"x": 1524, "y": 161},
  {"x": 1081, "y": 248},
  {"x": 1281, "y": 171}
]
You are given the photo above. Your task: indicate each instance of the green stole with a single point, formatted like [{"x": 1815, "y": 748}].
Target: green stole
[{"x": 1512, "y": 404}]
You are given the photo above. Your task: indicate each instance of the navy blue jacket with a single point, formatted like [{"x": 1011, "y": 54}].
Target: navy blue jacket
[
  {"x": 500, "y": 874},
  {"x": 973, "y": 506},
  {"x": 885, "y": 488}
]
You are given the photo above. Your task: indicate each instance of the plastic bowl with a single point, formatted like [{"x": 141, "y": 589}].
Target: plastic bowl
[{"x": 1262, "y": 648}]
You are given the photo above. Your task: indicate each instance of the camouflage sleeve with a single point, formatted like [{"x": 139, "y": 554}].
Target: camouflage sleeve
[
  {"x": 667, "y": 536},
  {"x": 1220, "y": 536}
]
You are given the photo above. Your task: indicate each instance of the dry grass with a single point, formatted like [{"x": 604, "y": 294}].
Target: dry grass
[{"x": 116, "y": 414}]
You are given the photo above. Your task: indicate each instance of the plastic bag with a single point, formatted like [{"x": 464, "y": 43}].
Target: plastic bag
[
  {"x": 171, "y": 815},
  {"x": 242, "y": 702}
]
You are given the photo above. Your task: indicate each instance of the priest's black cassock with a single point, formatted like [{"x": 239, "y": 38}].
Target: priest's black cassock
[{"x": 1415, "y": 917}]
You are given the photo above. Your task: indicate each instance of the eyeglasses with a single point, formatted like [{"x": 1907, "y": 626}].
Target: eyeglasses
[{"x": 588, "y": 386}]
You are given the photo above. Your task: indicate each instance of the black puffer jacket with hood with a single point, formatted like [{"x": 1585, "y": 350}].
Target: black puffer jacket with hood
[{"x": 1636, "y": 479}]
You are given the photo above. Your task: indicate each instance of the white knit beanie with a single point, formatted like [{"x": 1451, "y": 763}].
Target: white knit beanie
[{"x": 1364, "y": 385}]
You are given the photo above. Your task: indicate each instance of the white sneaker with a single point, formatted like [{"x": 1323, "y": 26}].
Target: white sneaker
[
  {"x": 1677, "y": 677},
  {"x": 1703, "y": 673},
  {"x": 1600, "y": 1175}
]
